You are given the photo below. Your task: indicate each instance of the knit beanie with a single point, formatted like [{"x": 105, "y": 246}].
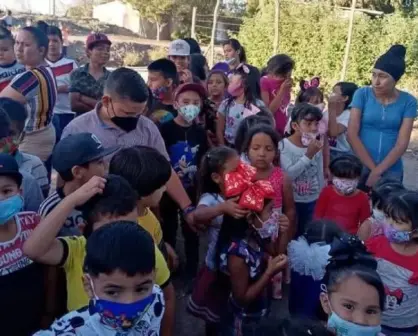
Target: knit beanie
[{"x": 393, "y": 61}]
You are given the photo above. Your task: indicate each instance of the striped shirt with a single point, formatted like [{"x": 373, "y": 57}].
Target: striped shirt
[
  {"x": 145, "y": 134},
  {"x": 39, "y": 88},
  {"x": 74, "y": 220},
  {"x": 8, "y": 72},
  {"x": 62, "y": 70}
]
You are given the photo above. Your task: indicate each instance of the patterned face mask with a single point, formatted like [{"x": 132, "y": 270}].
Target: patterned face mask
[
  {"x": 9, "y": 145},
  {"x": 270, "y": 227},
  {"x": 345, "y": 186},
  {"x": 396, "y": 236},
  {"x": 189, "y": 112},
  {"x": 307, "y": 138}
]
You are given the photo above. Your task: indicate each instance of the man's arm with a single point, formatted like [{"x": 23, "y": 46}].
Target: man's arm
[{"x": 80, "y": 103}]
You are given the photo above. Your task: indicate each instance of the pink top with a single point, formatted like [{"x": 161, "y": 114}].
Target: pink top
[
  {"x": 276, "y": 180},
  {"x": 272, "y": 87}
]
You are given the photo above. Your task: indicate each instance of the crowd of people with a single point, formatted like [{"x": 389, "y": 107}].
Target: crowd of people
[{"x": 301, "y": 197}]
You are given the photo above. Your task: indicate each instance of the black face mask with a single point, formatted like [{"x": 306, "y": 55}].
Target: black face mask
[{"x": 128, "y": 124}]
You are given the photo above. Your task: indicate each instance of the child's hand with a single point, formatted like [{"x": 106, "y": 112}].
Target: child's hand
[
  {"x": 314, "y": 147},
  {"x": 276, "y": 264},
  {"x": 287, "y": 84},
  {"x": 284, "y": 223},
  {"x": 233, "y": 209},
  {"x": 186, "y": 76},
  {"x": 93, "y": 187},
  {"x": 173, "y": 258}
]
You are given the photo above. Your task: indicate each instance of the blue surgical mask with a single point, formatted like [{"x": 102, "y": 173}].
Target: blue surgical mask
[
  {"x": 189, "y": 112},
  {"x": 10, "y": 207},
  {"x": 121, "y": 317},
  {"x": 346, "y": 328},
  {"x": 396, "y": 236}
]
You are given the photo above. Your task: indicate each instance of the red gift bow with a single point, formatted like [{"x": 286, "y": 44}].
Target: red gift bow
[
  {"x": 240, "y": 182},
  {"x": 314, "y": 82}
]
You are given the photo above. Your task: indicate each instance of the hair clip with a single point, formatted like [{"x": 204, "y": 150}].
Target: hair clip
[
  {"x": 244, "y": 67},
  {"x": 314, "y": 82}
]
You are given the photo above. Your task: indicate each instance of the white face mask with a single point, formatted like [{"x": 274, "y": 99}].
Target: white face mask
[
  {"x": 345, "y": 186},
  {"x": 307, "y": 138}
]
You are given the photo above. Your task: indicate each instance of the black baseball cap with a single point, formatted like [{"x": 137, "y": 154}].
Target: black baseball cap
[
  {"x": 78, "y": 149},
  {"x": 9, "y": 167}
]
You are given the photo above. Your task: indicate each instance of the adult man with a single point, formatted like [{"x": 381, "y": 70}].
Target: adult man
[
  {"x": 179, "y": 53},
  {"x": 117, "y": 121},
  {"x": 87, "y": 82}
]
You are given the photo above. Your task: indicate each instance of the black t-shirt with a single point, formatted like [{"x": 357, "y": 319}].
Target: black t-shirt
[
  {"x": 162, "y": 113},
  {"x": 185, "y": 146}
]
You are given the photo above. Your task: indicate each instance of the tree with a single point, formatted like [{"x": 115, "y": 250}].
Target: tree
[{"x": 156, "y": 11}]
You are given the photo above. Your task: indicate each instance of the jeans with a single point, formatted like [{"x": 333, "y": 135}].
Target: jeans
[
  {"x": 304, "y": 213},
  {"x": 60, "y": 121}
]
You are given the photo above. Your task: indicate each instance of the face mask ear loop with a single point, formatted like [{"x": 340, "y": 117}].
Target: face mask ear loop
[{"x": 92, "y": 287}]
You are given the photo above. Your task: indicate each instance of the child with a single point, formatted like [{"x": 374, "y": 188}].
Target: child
[
  {"x": 137, "y": 166},
  {"x": 396, "y": 252},
  {"x": 339, "y": 114},
  {"x": 61, "y": 67},
  {"x": 163, "y": 80},
  {"x": 276, "y": 88},
  {"x": 211, "y": 290},
  {"x": 308, "y": 257},
  {"x": 76, "y": 159},
  {"x": 342, "y": 202},
  {"x": 353, "y": 295},
  {"x": 186, "y": 143},
  {"x": 245, "y": 126},
  {"x": 302, "y": 159},
  {"x": 241, "y": 104},
  {"x": 114, "y": 200},
  {"x": 22, "y": 289},
  {"x": 373, "y": 226},
  {"x": 217, "y": 84},
  {"x": 121, "y": 287},
  {"x": 242, "y": 255},
  {"x": 261, "y": 148},
  {"x": 9, "y": 67}
]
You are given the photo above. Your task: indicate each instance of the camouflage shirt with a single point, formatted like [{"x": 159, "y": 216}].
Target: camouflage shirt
[{"x": 84, "y": 83}]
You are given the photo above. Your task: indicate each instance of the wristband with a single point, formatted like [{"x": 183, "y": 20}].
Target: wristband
[{"x": 187, "y": 210}]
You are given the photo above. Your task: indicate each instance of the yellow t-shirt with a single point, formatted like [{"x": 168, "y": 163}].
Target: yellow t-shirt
[
  {"x": 150, "y": 223},
  {"x": 73, "y": 266}
]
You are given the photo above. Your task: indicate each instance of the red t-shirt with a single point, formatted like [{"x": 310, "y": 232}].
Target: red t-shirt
[{"x": 347, "y": 211}]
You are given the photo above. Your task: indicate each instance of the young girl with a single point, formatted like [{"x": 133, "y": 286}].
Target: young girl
[
  {"x": 338, "y": 115},
  {"x": 211, "y": 291},
  {"x": 373, "y": 226},
  {"x": 276, "y": 87},
  {"x": 242, "y": 255},
  {"x": 396, "y": 252},
  {"x": 301, "y": 158},
  {"x": 241, "y": 104},
  {"x": 308, "y": 257},
  {"x": 261, "y": 118},
  {"x": 342, "y": 202},
  {"x": 217, "y": 84},
  {"x": 261, "y": 148},
  {"x": 353, "y": 294}
]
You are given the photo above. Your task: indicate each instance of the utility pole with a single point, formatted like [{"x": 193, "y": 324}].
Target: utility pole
[
  {"x": 276, "y": 27},
  {"x": 212, "y": 39},
  {"x": 349, "y": 36}
]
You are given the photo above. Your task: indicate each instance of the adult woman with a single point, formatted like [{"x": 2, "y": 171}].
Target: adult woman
[
  {"x": 381, "y": 119},
  {"x": 37, "y": 90}
]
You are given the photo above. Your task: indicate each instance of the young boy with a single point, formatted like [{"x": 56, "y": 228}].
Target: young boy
[
  {"x": 21, "y": 279},
  {"x": 186, "y": 143},
  {"x": 8, "y": 64},
  {"x": 117, "y": 281},
  {"x": 137, "y": 166},
  {"x": 31, "y": 164},
  {"x": 162, "y": 81},
  {"x": 114, "y": 200},
  {"x": 77, "y": 159}
]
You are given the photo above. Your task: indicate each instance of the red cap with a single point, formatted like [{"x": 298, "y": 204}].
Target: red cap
[
  {"x": 198, "y": 88},
  {"x": 95, "y": 38}
]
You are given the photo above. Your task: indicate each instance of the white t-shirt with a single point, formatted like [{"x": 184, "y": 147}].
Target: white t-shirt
[
  {"x": 340, "y": 142},
  {"x": 62, "y": 70},
  {"x": 211, "y": 200},
  {"x": 8, "y": 72},
  {"x": 307, "y": 175}
]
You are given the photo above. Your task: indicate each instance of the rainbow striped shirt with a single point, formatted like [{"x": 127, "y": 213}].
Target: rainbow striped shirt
[{"x": 39, "y": 87}]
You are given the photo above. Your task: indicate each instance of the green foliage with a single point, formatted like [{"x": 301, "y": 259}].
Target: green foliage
[
  {"x": 157, "y": 53},
  {"x": 315, "y": 37}
]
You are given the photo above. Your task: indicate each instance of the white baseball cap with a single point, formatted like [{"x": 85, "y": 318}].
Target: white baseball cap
[{"x": 179, "y": 48}]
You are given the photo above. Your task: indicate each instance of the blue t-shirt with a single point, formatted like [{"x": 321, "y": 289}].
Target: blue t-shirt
[{"x": 380, "y": 124}]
